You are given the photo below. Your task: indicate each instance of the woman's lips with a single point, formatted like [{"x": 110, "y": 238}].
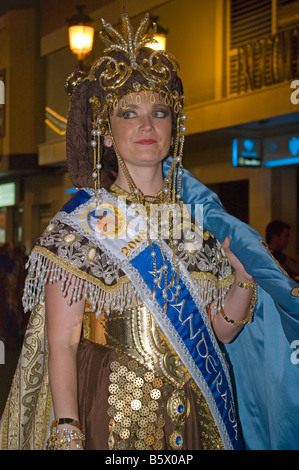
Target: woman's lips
[{"x": 146, "y": 141}]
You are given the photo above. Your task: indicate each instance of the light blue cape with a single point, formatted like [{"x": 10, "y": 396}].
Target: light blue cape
[{"x": 266, "y": 377}]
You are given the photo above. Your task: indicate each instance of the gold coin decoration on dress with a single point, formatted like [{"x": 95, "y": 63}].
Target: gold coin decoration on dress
[
  {"x": 149, "y": 440},
  {"x": 113, "y": 388},
  {"x": 131, "y": 376},
  {"x": 128, "y": 398},
  {"x": 132, "y": 365},
  {"x": 118, "y": 416},
  {"x": 126, "y": 422},
  {"x": 113, "y": 377},
  {"x": 129, "y": 387},
  {"x": 157, "y": 445},
  {"x": 139, "y": 382},
  {"x": 112, "y": 400},
  {"x": 136, "y": 404},
  {"x": 144, "y": 411},
  {"x": 122, "y": 370},
  {"x": 124, "y": 433},
  {"x": 159, "y": 433},
  {"x": 137, "y": 416},
  {"x": 137, "y": 393},
  {"x": 114, "y": 366},
  {"x": 157, "y": 382},
  {"x": 147, "y": 388},
  {"x": 152, "y": 405},
  {"x": 122, "y": 445},
  {"x": 149, "y": 376},
  {"x": 155, "y": 394},
  {"x": 134, "y": 392},
  {"x": 119, "y": 405},
  {"x": 140, "y": 445}
]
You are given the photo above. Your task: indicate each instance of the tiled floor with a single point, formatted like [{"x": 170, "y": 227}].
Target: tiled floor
[{"x": 6, "y": 375}]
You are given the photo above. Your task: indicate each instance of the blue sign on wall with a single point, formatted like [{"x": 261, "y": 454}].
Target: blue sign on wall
[
  {"x": 246, "y": 152},
  {"x": 281, "y": 150}
]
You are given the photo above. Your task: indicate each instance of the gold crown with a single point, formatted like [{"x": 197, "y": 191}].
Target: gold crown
[{"x": 115, "y": 73}]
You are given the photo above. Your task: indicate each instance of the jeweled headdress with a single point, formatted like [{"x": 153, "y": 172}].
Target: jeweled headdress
[
  {"x": 128, "y": 66},
  {"x": 156, "y": 72}
]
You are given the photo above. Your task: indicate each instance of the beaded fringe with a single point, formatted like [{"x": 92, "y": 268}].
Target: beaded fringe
[
  {"x": 42, "y": 271},
  {"x": 209, "y": 292}
]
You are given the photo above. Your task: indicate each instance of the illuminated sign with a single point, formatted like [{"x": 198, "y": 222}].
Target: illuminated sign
[
  {"x": 7, "y": 194},
  {"x": 281, "y": 150},
  {"x": 246, "y": 152}
]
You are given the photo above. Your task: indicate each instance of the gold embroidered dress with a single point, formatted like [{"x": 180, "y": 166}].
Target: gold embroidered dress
[{"x": 134, "y": 391}]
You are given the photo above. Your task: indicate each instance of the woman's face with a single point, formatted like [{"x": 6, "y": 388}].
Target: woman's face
[{"x": 142, "y": 131}]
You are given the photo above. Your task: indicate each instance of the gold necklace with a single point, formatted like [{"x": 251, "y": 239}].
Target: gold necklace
[{"x": 166, "y": 277}]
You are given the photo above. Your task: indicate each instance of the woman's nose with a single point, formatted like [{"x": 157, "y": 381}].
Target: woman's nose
[{"x": 146, "y": 123}]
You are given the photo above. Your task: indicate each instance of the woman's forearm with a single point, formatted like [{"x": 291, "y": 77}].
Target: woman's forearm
[
  {"x": 63, "y": 380},
  {"x": 228, "y": 323},
  {"x": 64, "y": 325},
  {"x": 237, "y": 309}
]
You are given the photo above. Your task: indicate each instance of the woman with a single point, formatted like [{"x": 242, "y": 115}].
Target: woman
[{"x": 150, "y": 290}]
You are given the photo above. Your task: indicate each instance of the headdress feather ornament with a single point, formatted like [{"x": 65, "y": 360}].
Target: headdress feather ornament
[{"x": 128, "y": 41}]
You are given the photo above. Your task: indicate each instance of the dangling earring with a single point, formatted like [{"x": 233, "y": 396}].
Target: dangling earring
[
  {"x": 175, "y": 172},
  {"x": 99, "y": 124},
  {"x": 96, "y": 146}
]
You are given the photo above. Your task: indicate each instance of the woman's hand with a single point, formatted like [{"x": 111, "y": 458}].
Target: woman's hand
[
  {"x": 236, "y": 310},
  {"x": 240, "y": 273}
]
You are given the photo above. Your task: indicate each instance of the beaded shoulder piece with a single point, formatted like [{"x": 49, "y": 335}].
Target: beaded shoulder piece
[{"x": 65, "y": 252}]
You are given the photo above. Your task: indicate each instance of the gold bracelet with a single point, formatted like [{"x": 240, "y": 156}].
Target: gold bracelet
[
  {"x": 70, "y": 421},
  {"x": 236, "y": 322},
  {"x": 246, "y": 285},
  {"x": 61, "y": 439},
  {"x": 252, "y": 306}
]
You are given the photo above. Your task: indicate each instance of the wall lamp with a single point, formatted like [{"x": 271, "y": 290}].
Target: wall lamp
[{"x": 81, "y": 34}]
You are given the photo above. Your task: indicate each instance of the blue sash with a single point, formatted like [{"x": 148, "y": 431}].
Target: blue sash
[{"x": 196, "y": 347}]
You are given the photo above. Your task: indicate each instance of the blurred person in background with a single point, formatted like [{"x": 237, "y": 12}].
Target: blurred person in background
[
  {"x": 278, "y": 235},
  {"x": 12, "y": 277}
]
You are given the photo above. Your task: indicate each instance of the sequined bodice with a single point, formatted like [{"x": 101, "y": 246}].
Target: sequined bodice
[{"x": 135, "y": 333}]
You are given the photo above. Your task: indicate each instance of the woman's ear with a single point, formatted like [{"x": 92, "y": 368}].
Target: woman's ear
[{"x": 107, "y": 139}]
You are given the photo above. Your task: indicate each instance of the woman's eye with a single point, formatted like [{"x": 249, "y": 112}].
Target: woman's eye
[
  {"x": 128, "y": 114},
  {"x": 132, "y": 113},
  {"x": 161, "y": 113}
]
